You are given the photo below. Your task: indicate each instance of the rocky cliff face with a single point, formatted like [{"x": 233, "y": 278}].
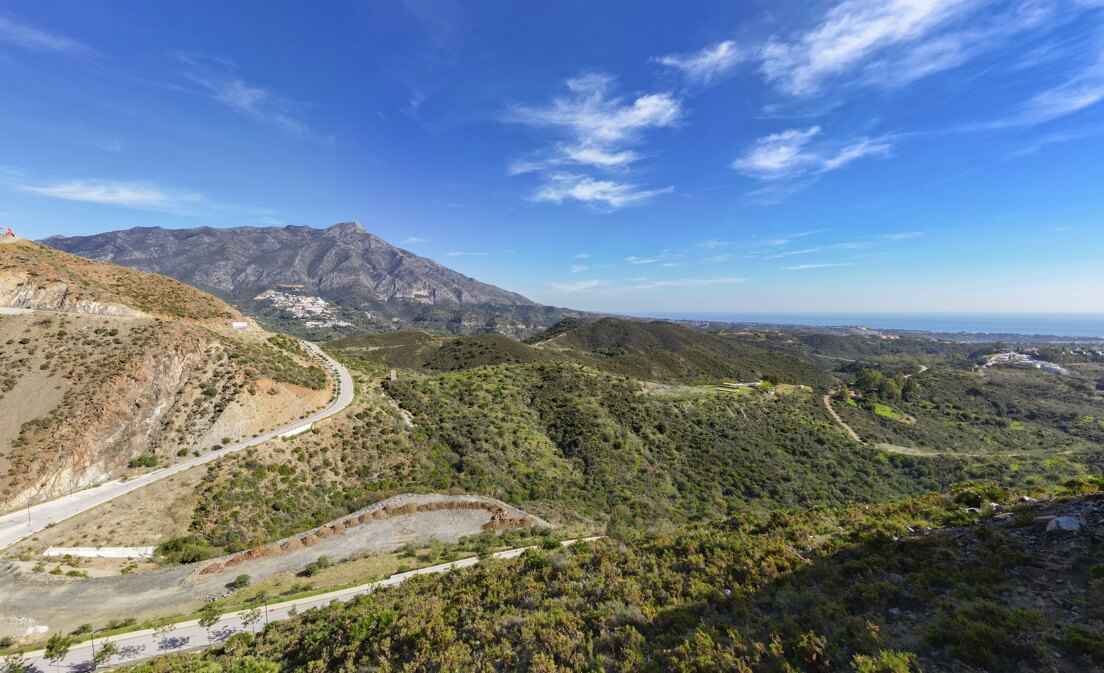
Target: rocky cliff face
[
  {"x": 341, "y": 262},
  {"x": 19, "y": 290},
  {"x": 99, "y": 428},
  {"x": 101, "y": 364}
]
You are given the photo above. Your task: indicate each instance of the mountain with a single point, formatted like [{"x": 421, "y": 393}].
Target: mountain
[
  {"x": 104, "y": 368},
  {"x": 363, "y": 282}
]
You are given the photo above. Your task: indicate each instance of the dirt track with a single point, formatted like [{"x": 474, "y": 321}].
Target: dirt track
[{"x": 64, "y": 603}]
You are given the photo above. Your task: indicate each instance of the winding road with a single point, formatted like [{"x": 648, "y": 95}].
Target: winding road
[
  {"x": 19, "y": 524},
  {"x": 892, "y": 448},
  {"x": 189, "y": 635}
]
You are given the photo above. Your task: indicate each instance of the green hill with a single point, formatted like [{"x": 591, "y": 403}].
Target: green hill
[
  {"x": 653, "y": 351},
  {"x": 923, "y": 585},
  {"x": 664, "y": 351}
]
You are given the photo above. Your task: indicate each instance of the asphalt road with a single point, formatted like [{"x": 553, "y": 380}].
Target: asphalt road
[
  {"x": 189, "y": 635},
  {"x": 22, "y": 523}
]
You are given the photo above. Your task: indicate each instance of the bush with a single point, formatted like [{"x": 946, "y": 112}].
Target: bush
[
  {"x": 145, "y": 460},
  {"x": 312, "y": 568},
  {"x": 1083, "y": 640},
  {"x": 886, "y": 661},
  {"x": 186, "y": 549},
  {"x": 240, "y": 582}
]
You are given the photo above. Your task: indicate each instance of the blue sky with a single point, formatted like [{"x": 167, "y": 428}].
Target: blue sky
[{"x": 770, "y": 156}]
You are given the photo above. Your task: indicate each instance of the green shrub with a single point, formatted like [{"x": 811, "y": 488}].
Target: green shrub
[
  {"x": 186, "y": 549},
  {"x": 145, "y": 460},
  {"x": 1084, "y": 640},
  {"x": 240, "y": 582}
]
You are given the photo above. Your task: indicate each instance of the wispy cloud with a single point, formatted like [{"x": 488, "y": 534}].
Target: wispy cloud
[
  {"x": 580, "y": 286},
  {"x": 792, "y": 153},
  {"x": 582, "y": 255},
  {"x": 643, "y": 260},
  {"x": 601, "y": 194},
  {"x": 1083, "y": 89},
  {"x": 35, "y": 39},
  {"x": 860, "y": 35},
  {"x": 598, "y": 124},
  {"x": 139, "y": 195},
  {"x": 803, "y": 267},
  {"x": 461, "y": 253},
  {"x": 219, "y": 80},
  {"x": 578, "y": 268},
  {"x": 595, "y": 129},
  {"x": 681, "y": 282},
  {"x": 901, "y": 236},
  {"x": 411, "y": 240},
  {"x": 708, "y": 64}
]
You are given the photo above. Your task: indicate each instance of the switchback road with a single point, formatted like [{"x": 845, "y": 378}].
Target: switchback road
[
  {"x": 189, "y": 635},
  {"x": 19, "y": 524}
]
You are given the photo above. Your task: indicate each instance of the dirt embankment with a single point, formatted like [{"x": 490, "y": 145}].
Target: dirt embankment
[{"x": 63, "y": 603}]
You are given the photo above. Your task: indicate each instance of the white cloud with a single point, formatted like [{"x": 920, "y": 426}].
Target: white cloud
[
  {"x": 139, "y": 195},
  {"x": 713, "y": 244},
  {"x": 788, "y": 154},
  {"x": 578, "y": 268},
  {"x": 606, "y": 194},
  {"x": 411, "y": 240},
  {"x": 803, "y": 267},
  {"x": 682, "y": 282},
  {"x": 461, "y": 253},
  {"x": 711, "y": 62},
  {"x": 582, "y": 255},
  {"x": 580, "y": 286},
  {"x": 598, "y": 125},
  {"x": 219, "y": 81},
  {"x": 852, "y": 33},
  {"x": 34, "y": 39},
  {"x": 643, "y": 260},
  {"x": 902, "y": 236},
  {"x": 597, "y": 129},
  {"x": 1081, "y": 91}
]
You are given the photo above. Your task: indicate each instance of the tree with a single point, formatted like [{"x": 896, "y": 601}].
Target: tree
[
  {"x": 13, "y": 663},
  {"x": 250, "y": 617},
  {"x": 208, "y": 617},
  {"x": 57, "y": 648},
  {"x": 106, "y": 651},
  {"x": 162, "y": 632}
]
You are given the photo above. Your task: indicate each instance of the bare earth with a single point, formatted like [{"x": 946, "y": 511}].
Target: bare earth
[{"x": 64, "y": 603}]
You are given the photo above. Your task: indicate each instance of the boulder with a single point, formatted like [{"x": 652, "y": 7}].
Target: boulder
[{"x": 1070, "y": 523}]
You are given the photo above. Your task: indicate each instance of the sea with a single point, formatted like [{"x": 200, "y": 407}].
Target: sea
[{"x": 1050, "y": 324}]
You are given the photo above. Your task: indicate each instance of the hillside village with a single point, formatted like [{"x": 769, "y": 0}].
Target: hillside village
[{"x": 312, "y": 311}]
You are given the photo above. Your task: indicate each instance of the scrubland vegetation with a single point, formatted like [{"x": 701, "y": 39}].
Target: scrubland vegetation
[{"x": 922, "y": 584}]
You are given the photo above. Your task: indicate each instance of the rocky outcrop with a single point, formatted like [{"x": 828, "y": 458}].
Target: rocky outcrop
[
  {"x": 19, "y": 290},
  {"x": 99, "y": 434}
]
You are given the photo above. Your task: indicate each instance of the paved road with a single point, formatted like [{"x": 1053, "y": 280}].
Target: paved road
[
  {"x": 189, "y": 635},
  {"x": 22, "y": 523}
]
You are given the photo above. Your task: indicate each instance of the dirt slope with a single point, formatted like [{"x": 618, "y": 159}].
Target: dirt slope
[{"x": 101, "y": 366}]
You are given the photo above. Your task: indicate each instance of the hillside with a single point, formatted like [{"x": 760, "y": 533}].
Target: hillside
[
  {"x": 367, "y": 282},
  {"x": 103, "y": 367},
  {"x": 661, "y": 350},
  {"x": 922, "y": 585},
  {"x": 650, "y": 351}
]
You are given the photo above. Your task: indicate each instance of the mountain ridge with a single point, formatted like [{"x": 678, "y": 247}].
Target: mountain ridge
[{"x": 369, "y": 281}]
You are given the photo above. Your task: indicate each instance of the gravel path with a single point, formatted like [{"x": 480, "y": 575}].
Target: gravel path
[{"x": 64, "y": 603}]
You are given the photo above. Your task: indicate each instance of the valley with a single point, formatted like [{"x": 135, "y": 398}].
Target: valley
[{"x": 636, "y": 432}]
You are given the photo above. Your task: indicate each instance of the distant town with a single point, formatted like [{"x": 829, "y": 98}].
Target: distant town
[
  {"x": 312, "y": 311},
  {"x": 1024, "y": 360}
]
